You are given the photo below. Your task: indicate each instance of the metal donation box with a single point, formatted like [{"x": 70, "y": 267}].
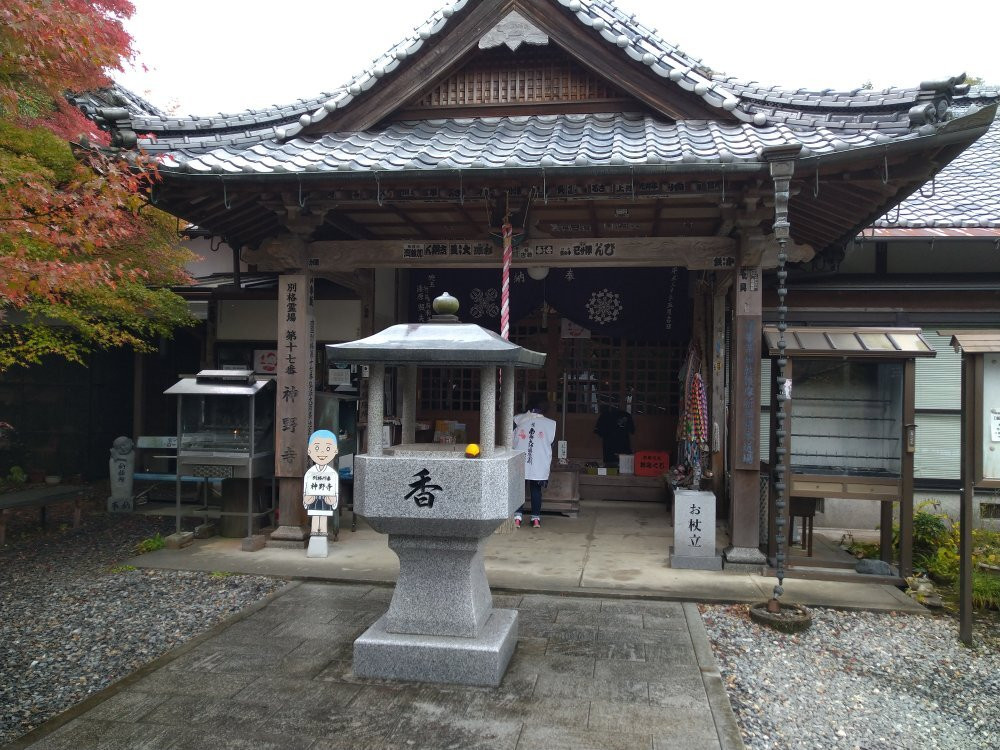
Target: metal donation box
[
  {"x": 850, "y": 419},
  {"x": 225, "y": 429}
]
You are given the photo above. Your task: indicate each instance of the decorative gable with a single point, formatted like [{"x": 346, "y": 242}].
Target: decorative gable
[
  {"x": 528, "y": 80},
  {"x": 514, "y": 30},
  {"x": 426, "y": 72}
]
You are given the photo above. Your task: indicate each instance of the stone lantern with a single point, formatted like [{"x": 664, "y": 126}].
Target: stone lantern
[{"x": 439, "y": 506}]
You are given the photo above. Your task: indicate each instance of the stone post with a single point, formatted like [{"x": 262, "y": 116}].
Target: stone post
[
  {"x": 505, "y": 436},
  {"x": 488, "y": 410},
  {"x": 376, "y": 408},
  {"x": 409, "y": 411},
  {"x": 295, "y": 407}
]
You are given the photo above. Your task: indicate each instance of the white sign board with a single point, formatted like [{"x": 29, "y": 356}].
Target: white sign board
[
  {"x": 991, "y": 416},
  {"x": 694, "y": 531}
]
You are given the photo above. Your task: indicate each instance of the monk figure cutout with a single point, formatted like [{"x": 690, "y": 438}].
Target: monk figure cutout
[{"x": 320, "y": 488}]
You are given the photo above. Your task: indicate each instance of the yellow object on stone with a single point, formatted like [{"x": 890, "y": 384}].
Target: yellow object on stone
[{"x": 471, "y": 450}]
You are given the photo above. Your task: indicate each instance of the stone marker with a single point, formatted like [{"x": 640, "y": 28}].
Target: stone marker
[
  {"x": 121, "y": 466},
  {"x": 694, "y": 531}
]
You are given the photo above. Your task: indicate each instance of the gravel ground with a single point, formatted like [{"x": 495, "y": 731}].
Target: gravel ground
[
  {"x": 860, "y": 680},
  {"x": 73, "y": 619}
]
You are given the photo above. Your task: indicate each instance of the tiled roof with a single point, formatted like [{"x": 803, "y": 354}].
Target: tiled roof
[
  {"x": 582, "y": 140},
  {"x": 890, "y": 110},
  {"x": 749, "y": 102},
  {"x": 966, "y": 193}
]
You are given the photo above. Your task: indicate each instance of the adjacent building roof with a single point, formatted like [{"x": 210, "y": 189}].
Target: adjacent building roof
[
  {"x": 964, "y": 198},
  {"x": 844, "y": 342}
]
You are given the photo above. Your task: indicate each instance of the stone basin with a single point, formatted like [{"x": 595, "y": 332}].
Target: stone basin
[{"x": 436, "y": 491}]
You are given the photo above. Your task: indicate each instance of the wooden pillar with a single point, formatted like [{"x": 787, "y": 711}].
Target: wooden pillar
[
  {"x": 716, "y": 359},
  {"x": 295, "y": 402},
  {"x": 908, "y": 440},
  {"x": 744, "y": 446}
]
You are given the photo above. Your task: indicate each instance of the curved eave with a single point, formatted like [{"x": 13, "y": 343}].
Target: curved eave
[{"x": 436, "y": 345}]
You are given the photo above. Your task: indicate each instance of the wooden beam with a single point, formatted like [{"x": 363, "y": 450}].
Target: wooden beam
[{"x": 699, "y": 253}]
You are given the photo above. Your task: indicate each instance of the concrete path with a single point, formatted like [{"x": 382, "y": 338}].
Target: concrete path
[
  {"x": 588, "y": 673},
  {"x": 611, "y": 549}
]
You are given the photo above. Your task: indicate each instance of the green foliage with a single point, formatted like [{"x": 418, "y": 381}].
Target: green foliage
[
  {"x": 865, "y": 550},
  {"x": 944, "y": 565},
  {"x": 122, "y": 569},
  {"x": 985, "y": 590},
  {"x": 930, "y": 532},
  {"x": 16, "y": 475},
  {"x": 151, "y": 544}
]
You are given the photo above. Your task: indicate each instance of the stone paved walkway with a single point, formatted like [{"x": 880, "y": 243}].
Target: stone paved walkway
[{"x": 587, "y": 674}]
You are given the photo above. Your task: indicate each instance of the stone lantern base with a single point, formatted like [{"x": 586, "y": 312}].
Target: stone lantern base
[{"x": 439, "y": 658}]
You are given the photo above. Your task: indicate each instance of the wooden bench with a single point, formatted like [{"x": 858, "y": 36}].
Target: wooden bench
[{"x": 41, "y": 498}]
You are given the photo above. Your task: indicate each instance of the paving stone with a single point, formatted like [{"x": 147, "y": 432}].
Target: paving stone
[
  {"x": 279, "y": 690},
  {"x": 527, "y": 646},
  {"x": 547, "y": 601},
  {"x": 320, "y": 613},
  {"x": 128, "y": 705},
  {"x": 658, "y": 720},
  {"x": 226, "y": 661},
  {"x": 356, "y": 617},
  {"x": 575, "y": 738},
  {"x": 219, "y": 715},
  {"x": 507, "y": 601},
  {"x": 239, "y": 739},
  {"x": 681, "y": 690},
  {"x": 552, "y": 664},
  {"x": 559, "y": 712},
  {"x": 86, "y": 734},
  {"x": 623, "y": 690},
  {"x": 599, "y": 618},
  {"x": 422, "y": 729},
  {"x": 563, "y": 632},
  {"x": 325, "y": 630},
  {"x": 627, "y": 649},
  {"x": 194, "y": 683},
  {"x": 664, "y": 622},
  {"x": 642, "y": 607},
  {"x": 647, "y": 671},
  {"x": 354, "y": 727}
]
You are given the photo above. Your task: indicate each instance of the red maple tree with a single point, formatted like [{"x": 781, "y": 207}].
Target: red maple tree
[{"x": 84, "y": 262}]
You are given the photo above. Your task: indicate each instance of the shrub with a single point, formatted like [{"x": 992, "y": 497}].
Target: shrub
[{"x": 150, "y": 545}]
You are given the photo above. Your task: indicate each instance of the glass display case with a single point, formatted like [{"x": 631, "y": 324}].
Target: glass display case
[
  {"x": 225, "y": 424},
  {"x": 849, "y": 421},
  {"x": 225, "y": 430},
  {"x": 848, "y": 418}
]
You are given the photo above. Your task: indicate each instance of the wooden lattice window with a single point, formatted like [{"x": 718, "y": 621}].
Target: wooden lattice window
[
  {"x": 603, "y": 371},
  {"x": 529, "y": 76},
  {"x": 449, "y": 389}
]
